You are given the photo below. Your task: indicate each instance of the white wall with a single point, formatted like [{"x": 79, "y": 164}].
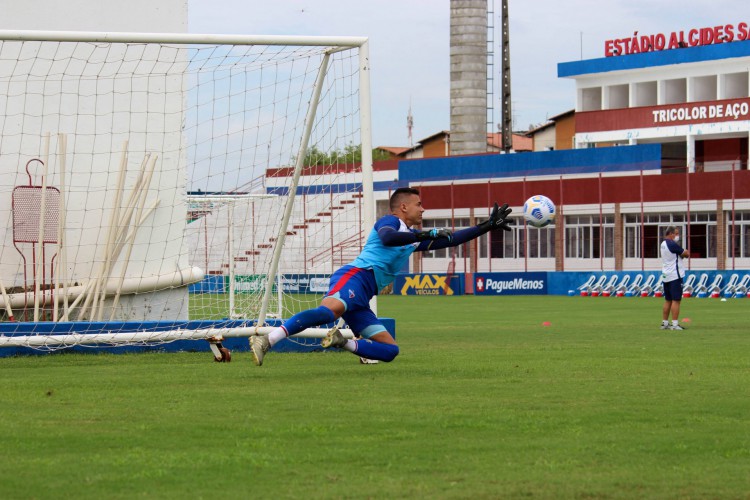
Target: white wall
[
  {"x": 544, "y": 140},
  {"x": 41, "y": 93}
]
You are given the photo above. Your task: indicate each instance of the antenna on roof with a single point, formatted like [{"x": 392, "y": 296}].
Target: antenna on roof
[{"x": 410, "y": 124}]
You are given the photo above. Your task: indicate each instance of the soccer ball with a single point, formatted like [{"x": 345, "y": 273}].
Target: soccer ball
[{"x": 539, "y": 211}]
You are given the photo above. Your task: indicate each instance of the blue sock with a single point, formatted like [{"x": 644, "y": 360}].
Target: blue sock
[
  {"x": 376, "y": 350},
  {"x": 305, "y": 319}
]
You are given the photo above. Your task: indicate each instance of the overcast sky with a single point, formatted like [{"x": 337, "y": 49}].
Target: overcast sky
[{"x": 409, "y": 45}]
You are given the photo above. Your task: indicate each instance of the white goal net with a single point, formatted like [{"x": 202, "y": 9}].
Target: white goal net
[{"x": 158, "y": 184}]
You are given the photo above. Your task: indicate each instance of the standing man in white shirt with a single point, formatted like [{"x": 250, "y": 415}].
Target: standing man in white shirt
[{"x": 673, "y": 270}]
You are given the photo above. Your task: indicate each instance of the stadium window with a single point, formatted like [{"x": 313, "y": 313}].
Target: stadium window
[
  {"x": 532, "y": 242},
  {"x": 702, "y": 237},
  {"x": 382, "y": 208},
  {"x": 608, "y": 225},
  {"x": 603, "y": 236},
  {"x": 517, "y": 249},
  {"x": 521, "y": 242},
  {"x": 738, "y": 234},
  {"x": 428, "y": 224},
  {"x": 465, "y": 249},
  {"x": 455, "y": 224},
  {"x": 642, "y": 235},
  {"x": 506, "y": 244},
  {"x": 578, "y": 237},
  {"x": 540, "y": 242},
  {"x": 652, "y": 240},
  {"x": 497, "y": 244},
  {"x": 483, "y": 245},
  {"x": 589, "y": 236}
]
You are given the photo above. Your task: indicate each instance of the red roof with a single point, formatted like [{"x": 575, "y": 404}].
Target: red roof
[
  {"x": 394, "y": 150},
  {"x": 519, "y": 142}
]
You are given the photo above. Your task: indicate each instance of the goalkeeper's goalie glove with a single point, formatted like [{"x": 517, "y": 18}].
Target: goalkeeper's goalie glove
[
  {"x": 498, "y": 218},
  {"x": 435, "y": 234}
]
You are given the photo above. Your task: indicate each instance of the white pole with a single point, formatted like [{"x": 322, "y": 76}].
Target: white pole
[
  {"x": 39, "y": 271},
  {"x": 365, "y": 118},
  {"x": 230, "y": 250},
  {"x": 279, "y": 292},
  {"x": 8, "y": 308},
  {"x": 134, "y": 229},
  {"x": 130, "y": 240},
  {"x": 144, "y": 179},
  {"x": 83, "y": 291},
  {"x": 122, "y": 338},
  {"x": 138, "y": 219},
  {"x": 181, "y": 277},
  {"x": 180, "y": 38},
  {"x": 56, "y": 272},
  {"x": 62, "y": 264},
  {"x": 113, "y": 220},
  {"x": 120, "y": 237},
  {"x": 63, "y": 222},
  {"x": 114, "y": 231},
  {"x": 309, "y": 121}
]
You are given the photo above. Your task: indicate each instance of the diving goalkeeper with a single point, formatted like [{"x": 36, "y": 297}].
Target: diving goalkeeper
[{"x": 387, "y": 249}]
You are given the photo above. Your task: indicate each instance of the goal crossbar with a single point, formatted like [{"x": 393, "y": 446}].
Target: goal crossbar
[{"x": 180, "y": 38}]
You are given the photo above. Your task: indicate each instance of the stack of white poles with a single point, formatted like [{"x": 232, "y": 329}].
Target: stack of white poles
[{"x": 125, "y": 220}]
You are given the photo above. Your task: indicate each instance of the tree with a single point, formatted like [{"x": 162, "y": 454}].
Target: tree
[{"x": 351, "y": 153}]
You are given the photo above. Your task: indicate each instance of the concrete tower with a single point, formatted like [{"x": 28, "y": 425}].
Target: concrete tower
[{"x": 468, "y": 76}]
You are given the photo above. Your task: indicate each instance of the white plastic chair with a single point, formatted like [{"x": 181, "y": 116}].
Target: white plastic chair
[
  {"x": 689, "y": 285},
  {"x": 714, "y": 288},
  {"x": 729, "y": 288},
  {"x": 587, "y": 285},
  {"x": 659, "y": 286},
  {"x": 689, "y": 282},
  {"x": 598, "y": 285},
  {"x": 742, "y": 286},
  {"x": 648, "y": 285},
  {"x": 702, "y": 284},
  {"x": 609, "y": 286},
  {"x": 636, "y": 286},
  {"x": 622, "y": 286}
]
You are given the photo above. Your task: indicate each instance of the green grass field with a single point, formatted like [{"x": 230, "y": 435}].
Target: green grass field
[{"x": 483, "y": 402}]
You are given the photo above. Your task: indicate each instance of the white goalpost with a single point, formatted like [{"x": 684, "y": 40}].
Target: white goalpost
[
  {"x": 225, "y": 203},
  {"x": 166, "y": 187}
]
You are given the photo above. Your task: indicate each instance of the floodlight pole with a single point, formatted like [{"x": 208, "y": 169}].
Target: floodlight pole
[{"x": 507, "y": 120}]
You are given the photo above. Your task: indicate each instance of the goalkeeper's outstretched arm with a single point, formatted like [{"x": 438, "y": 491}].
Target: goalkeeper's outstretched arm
[
  {"x": 498, "y": 220},
  {"x": 436, "y": 239},
  {"x": 392, "y": 238}
]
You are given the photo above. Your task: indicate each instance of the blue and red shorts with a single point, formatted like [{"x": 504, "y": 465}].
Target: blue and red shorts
[{"x": 354, "y": 287}]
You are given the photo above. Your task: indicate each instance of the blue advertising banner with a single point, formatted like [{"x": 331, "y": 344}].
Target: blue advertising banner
[
  {"x": 428, "y": 284},
  {"x": 210, "y": 284},
  {"x": 510, "y": 283},
  {"x": 531, "y": 283},
  {"x": 256, "y": 283},
  {"x": 290, "y": 283}
]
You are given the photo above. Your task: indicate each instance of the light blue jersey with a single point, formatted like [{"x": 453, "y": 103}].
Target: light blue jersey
[{"x": 384, "y": 261}]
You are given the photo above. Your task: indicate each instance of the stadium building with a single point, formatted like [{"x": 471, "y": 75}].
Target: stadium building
[{"x": 661, "y": 128}]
